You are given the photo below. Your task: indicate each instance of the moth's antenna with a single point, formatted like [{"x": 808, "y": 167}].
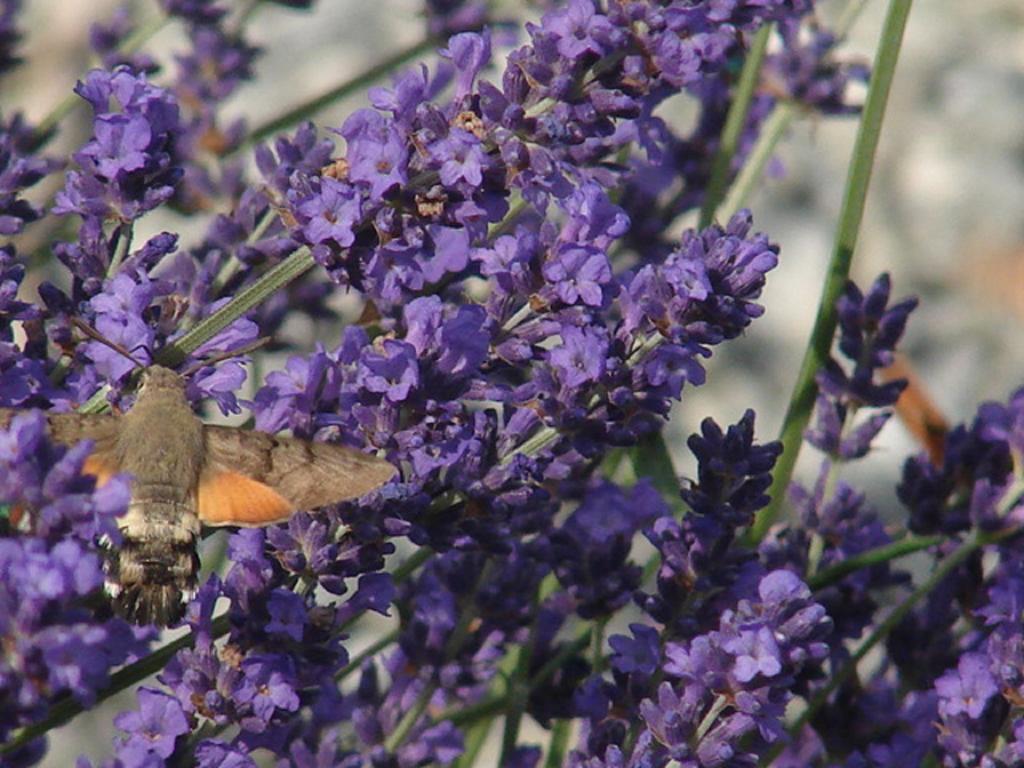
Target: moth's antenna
[
  {"x": 214, "y": 359},
  {"x": 92, "y": 333}
]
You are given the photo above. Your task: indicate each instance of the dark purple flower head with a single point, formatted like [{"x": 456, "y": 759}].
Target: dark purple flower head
[
  {"x": 968, "y": 487},
  {"x": 10, "y": 35},
  {"x": 868, "y": 332},
  {"x": 590, "y": 552},
  {"x": 733, "y": 473},
  {"x": 1004, "y": 423},
  {"x": 196, "y": 11},
  {"x": 806, "y": 70}
]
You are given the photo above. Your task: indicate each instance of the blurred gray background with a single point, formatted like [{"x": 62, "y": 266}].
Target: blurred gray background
[{"x": 944, "y": 214}]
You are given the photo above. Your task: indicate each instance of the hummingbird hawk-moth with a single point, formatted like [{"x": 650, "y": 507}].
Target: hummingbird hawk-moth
[{"x": 186, "y": 474}]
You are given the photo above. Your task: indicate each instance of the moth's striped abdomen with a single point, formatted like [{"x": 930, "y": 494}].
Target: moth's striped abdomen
[{"x": 152, "y": 574}]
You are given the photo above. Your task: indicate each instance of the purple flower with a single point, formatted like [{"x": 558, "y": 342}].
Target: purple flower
[
  {"x": 267, "y": 687},
  {"x": 211, "y": 753},
  {"x": 128, "y": 167},
  {"x": 461, "y": 159},
  {"x": 10, "y": 35},
  {"x": 578, "y": 29},
  {"x": 580, "y": 359},
  {"x": 590, "y": 552},
  {"x": 971, "y": 711},
  {"x": 377, "y": 152},
  {"x": 579, "y": 275},
  {"x": 393, "y": 372},
  {"x": 154, "y": 729},
  {"x": 743, "y": 666},
  {"x": 639, "y": 654},
  {"x": 967, "y": 690},
  {"x": 733, "y": 472},
  {"x": 19, "y": 167},
  {"x": 330, "y": 213},
  {"x": 868, "y": 333},
  {"x": 469, "y": 53}
]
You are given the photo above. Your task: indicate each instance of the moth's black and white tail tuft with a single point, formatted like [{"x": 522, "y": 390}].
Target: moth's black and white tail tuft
[{"x": 152, "y": 575}]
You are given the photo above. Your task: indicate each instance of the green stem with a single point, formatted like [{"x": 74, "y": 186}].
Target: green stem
[
  {"x": 734, "y": 123},
  {"x": 124, "y": 242},
  {"x": 349, "y": 87},
  {"x": 66, "y": 708},
  {"x": 558, "y": 745},
  {"x": 397, "y": 736},
  {"x": 518, "y": 687},
  {"x": 852, "y": 212},
  {"x": 248, "y": 298},
  {"x": 946, "y": 567},
  {"x": 772, "y": 131},
  {"x": 474, "y": 713},
  {"x": 363, "y": 655},
  {"x": 245, "y": 300},
  {"x": 877, "y": 556},
  {"x": 474, "y": 741},
  {"x": 231, "y": 267}
]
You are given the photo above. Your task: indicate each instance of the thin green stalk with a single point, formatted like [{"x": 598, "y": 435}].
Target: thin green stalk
[
  {"x": 356, "y": 84},
  {"x": 293, "y": 267},
  {"x": 518, "y": 688},
  {"x": 245, "y": 300},
  {"x": 484, "y": 710},
  {"x": 772, "y": 131},
  {"x": 371, "y": 650},
  {"x": 397, "y": 736},
  {"x": 67, "y": 707},
  {"x": 852, "y": 212},
  {"x": 946, "y": 567},
  {"x": 876, "y": 556},
  {"x": 124, "y": 242},
  {"x": 559, "y": 743},
  {"x": 474, "y": 741},
  {"x": 734, "y": 122}
]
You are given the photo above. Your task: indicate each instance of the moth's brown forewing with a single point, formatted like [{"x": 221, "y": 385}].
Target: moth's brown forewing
[{"x": 186, "y": 474}]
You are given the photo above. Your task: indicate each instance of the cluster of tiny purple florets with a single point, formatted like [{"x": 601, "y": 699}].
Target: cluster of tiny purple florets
[{"x": 525, "y": 321}]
